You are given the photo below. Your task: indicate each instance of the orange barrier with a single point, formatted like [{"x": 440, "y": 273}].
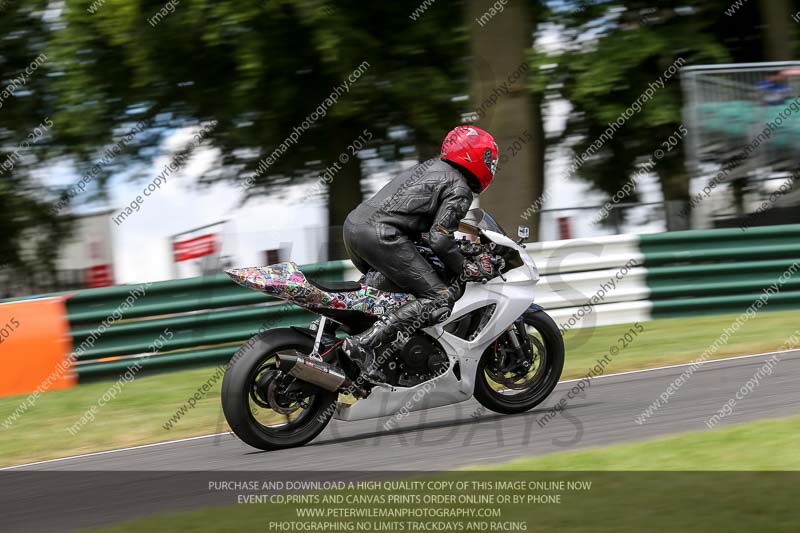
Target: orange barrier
[{"x": 35, "y": 347}]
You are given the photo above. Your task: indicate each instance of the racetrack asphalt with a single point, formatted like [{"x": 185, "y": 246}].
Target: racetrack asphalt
[
  {"x": 466, "y": 434},
  {"x": 439, "y": 439}
]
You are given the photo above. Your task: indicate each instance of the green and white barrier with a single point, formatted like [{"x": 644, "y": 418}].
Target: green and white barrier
[
  {"x": 628, "y": 278},
  {"x": 584, "y": 283}
]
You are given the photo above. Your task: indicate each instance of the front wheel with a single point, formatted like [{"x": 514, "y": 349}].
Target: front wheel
[
  {"x": 266, "y": 408},
  {"x": 517, "y": 373}
]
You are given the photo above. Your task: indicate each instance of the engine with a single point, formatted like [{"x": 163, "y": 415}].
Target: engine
[{"x": 418, "y": 360}]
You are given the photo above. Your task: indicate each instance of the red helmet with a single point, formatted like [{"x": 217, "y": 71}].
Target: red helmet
[{"x": 474, "y": 150}]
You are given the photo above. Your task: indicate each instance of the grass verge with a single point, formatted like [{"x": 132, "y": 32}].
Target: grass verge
[
  {"x": 676, "y": 340},
  {"x": 771, "y": 444}
]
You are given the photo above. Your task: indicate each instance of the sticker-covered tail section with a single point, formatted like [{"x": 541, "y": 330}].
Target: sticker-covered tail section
[
  {"x": 283, "y": 280},
  {"x": 286, "y": 281}
]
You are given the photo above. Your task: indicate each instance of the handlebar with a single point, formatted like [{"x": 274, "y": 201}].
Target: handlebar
[{"x": 471, "y": 249}]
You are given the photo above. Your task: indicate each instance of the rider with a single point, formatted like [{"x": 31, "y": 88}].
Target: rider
[{"x": 379, "y": 234}]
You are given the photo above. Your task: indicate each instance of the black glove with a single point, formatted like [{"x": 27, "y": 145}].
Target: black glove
[{"x": 479, "y": 268}]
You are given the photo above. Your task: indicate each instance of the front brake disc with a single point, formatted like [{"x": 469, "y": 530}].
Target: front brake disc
[{"x": 517, "y": 366}]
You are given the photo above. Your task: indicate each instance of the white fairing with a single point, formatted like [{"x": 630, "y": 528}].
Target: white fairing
[{"x": 512, "y": 298}]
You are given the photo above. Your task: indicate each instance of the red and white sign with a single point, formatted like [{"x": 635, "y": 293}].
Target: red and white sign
[
  {"x": 196, "y": 247},
  {"x": 99, "y": 276},
  {"x": 564, "y": 228}
]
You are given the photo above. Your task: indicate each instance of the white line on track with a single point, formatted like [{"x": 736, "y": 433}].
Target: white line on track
[{"x": 188, "y": 439}]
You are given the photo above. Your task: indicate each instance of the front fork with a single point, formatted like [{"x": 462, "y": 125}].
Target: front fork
[{"x": 521, "y": 348}]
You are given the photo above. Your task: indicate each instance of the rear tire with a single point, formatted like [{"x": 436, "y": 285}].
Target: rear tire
[
  {"x": 552, "y": 359},
  {"x": 236, "y": 398}
]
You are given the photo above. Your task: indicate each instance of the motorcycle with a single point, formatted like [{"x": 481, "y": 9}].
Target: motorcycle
[{"x": 284, "y": 385}]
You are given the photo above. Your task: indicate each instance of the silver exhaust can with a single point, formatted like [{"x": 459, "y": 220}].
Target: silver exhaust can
[{"x": 312, "y": 371}]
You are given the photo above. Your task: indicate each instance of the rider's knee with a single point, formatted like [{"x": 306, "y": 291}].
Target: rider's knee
[
  {"x": 440, "y": 315},
  {"x": 436, "y": 310}
]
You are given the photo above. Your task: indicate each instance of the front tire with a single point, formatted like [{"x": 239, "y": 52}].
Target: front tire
[
  {"x": 243, "y": 385},
  {"x": 547, "y": 341}
]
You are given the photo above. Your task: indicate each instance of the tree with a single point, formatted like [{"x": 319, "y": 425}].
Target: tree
[
  {"x": 779, "y": 33},
  {"x": 28, "y": 222},
  {"x": 500, "y": 75},
  {"x": 261, "y": 70},
  {"x": 612, "y": 52}
]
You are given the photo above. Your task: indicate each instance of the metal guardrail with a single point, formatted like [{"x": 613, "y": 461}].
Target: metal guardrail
[
  {"x": 680, "y": 273},
  {"x": 721, "y": 271}
]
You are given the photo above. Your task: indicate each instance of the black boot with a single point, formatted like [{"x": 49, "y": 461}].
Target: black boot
[
  {"x": 362, "y": 348},
  {"x": 405, "y": 321}
]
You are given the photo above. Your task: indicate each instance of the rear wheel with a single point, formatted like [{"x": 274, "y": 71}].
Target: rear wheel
[
  {"x": 266, "y": 408},
  {"x": 514, "y": 377}
]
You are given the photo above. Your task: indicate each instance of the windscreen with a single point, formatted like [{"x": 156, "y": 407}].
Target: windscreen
[{"x": 478, "y": 218}]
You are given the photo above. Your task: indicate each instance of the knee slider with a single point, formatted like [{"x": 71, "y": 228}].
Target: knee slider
[{"x": 440, "y": 315}]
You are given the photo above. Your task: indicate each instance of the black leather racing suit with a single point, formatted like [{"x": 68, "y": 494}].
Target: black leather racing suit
[{"x": 430, "y": 197}]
